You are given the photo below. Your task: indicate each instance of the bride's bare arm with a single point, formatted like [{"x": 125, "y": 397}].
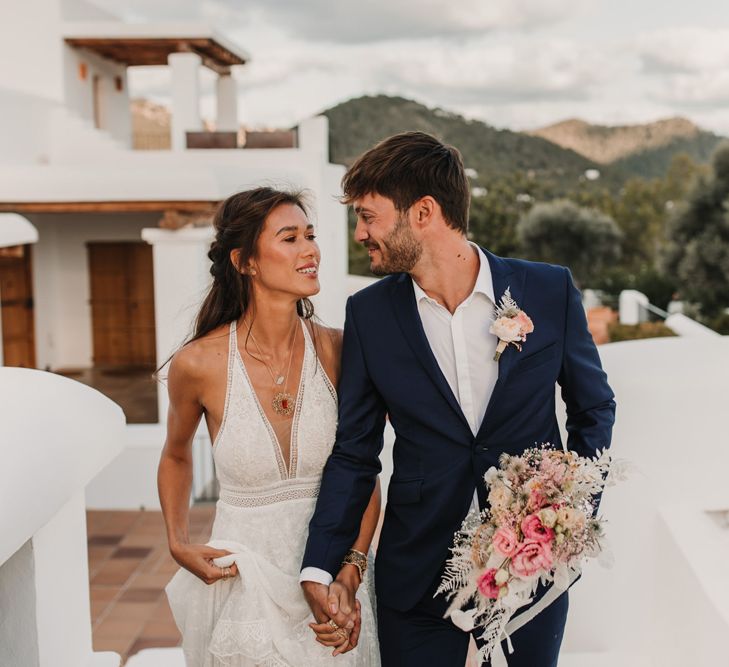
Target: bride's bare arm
[{"x": 174, "y": 475}]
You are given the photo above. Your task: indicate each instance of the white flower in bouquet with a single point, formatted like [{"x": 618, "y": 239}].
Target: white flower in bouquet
[
  {"x": 548, "y": 517},
  {"x": 500, "y": 497}
]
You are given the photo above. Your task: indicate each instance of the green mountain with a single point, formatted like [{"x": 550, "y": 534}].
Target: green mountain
[{"x": 357, "y": 124}]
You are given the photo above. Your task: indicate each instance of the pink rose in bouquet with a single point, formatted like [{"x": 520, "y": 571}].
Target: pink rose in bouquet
[
  {"x": 534, "y": 529},
  {"x": 505, "y": 541},
  {"x": 531, "y": 557},
  {"x": 487, "y": 585}
]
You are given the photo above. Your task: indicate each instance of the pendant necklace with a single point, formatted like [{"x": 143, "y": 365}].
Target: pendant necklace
[{"x": 283, "y": 403}]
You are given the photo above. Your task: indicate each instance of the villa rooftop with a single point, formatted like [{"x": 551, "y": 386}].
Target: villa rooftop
[{"x": 136, "y": 44}]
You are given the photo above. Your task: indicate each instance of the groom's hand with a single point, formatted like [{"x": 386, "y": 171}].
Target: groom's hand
[
  {"x": 325, "y": 606},
  {"x": 342, "y": 598}
]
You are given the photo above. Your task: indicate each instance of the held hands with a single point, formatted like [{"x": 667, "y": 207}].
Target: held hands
[
  {"x": 198, "y": 559},
  {"x": 337, "y": 611}
]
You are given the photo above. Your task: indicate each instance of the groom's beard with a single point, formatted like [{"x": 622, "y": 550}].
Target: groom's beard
[{"x": 399, "y": 250}]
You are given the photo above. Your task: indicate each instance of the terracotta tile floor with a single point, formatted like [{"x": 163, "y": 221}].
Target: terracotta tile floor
[{"x": 129, "y": 566}]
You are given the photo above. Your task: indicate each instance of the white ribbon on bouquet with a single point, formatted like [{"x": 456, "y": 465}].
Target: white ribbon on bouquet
[
  {"x": 465, "y": 620},
  {"x": 498, "y": 659}
]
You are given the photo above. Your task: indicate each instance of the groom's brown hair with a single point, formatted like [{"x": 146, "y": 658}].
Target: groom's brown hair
[{"x": 408, "y": 166}]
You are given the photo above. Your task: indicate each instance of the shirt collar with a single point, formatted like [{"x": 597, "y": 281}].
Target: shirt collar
[{"x": 484, "y": 284}]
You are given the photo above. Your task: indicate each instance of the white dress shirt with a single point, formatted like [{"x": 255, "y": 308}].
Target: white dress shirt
[{"x": 464, "y": 350}]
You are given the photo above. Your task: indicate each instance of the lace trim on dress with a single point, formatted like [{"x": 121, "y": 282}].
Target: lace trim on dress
[
  {"x": 250, "y": 638},
  {"x": 248, "y": 498},
  {"x": 232, "y": 348},
  {"x": 320, "y": 369}
]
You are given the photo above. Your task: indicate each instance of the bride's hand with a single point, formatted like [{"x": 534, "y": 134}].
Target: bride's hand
[
  {"x": 340, "y": 639},
  {"x": 198, "y": 559}
]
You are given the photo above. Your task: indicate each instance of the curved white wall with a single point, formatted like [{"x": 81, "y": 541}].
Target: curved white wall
[
  {"x": 666, "y": 599},
  {"x": 55, "y": 436}
]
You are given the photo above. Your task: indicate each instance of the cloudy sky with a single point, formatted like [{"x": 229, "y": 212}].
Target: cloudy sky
[{"x": 512, "y": 63}]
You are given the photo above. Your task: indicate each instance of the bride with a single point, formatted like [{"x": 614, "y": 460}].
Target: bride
[{"x": 263, "y": 374}]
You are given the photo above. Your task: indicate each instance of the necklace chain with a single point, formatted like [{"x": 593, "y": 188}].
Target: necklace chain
[{"x": 283, "y": 403}]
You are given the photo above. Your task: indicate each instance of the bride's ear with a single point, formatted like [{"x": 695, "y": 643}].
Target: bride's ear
[{"x": 249, "y": 270}]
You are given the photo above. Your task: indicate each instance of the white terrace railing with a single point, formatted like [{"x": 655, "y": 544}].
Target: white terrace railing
[
  {"x": 634, "y": 308},
  {"x": 55, "y": 436}
]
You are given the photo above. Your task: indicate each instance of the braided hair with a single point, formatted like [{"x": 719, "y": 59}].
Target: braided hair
[{"x": 238, "y": 223}]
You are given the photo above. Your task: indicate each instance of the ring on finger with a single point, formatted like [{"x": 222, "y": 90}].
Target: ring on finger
[{"x": 332, "y": 624}]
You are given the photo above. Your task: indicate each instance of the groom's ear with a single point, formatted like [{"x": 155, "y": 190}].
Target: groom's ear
[{"x": 425, "y": 210}]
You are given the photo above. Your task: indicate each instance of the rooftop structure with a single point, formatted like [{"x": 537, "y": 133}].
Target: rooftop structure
[{"x": 109, "y": 290}]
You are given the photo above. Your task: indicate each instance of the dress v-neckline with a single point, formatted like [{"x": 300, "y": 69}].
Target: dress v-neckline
[{"x": 286, "y": 471}]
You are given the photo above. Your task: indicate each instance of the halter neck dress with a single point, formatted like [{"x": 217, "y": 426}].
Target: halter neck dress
[{"x": 260, "y": 617}]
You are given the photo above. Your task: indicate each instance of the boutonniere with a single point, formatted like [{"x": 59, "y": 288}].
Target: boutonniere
[{"x": 511, "y": 324}]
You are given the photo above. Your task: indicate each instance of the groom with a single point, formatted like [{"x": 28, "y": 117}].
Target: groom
[{"x": 417, "y": 349}]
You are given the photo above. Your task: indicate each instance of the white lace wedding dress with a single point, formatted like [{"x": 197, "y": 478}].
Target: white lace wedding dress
[{"x": 260, "y": 618}]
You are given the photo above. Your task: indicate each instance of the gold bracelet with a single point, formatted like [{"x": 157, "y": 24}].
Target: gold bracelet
[{"x": 358, "y": 559}]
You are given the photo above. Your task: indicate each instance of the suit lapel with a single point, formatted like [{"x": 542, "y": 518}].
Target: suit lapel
[
  {"x": 408, "y": 317},
  {"x": 504, "y": 275}
]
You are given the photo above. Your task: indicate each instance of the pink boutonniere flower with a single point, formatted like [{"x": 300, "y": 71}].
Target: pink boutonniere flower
[{"x": 511, "y": 324}]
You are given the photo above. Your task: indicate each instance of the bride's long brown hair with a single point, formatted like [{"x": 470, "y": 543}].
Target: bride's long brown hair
[{"x": 238, "y": 223}]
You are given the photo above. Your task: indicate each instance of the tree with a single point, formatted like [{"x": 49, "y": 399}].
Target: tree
[
  {"x": 561, "y": 232},
  {"x": 697, "y": 253},
  {"x": 493, "y": 216}
]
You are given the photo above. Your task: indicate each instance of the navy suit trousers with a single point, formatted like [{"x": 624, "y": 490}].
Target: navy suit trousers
[{"x": 421, "y": 637}]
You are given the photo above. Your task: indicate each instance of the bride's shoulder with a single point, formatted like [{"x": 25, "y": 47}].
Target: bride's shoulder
[
  {"x": 198, "y": 358},
  {"x": 328, "y": 340},
  {"x": 328, "y": 343}
]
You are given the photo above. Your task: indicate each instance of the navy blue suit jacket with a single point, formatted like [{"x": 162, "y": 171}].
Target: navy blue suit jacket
[{"x": 389, "y": 369}]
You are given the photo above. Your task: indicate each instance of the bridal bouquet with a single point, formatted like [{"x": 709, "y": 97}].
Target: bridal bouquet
[{"x": 539, "y": 528}]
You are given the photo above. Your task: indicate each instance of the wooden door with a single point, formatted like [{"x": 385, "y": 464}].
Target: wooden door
[
  {"x": 122, "y": 304},
  {"x": 16, "y": 302}
]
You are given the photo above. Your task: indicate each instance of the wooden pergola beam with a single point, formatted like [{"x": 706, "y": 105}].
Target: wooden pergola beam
[{"x": 155, "y": 51}]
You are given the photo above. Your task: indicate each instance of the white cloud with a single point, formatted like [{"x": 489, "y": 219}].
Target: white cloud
[
  {"x": 512, "y": 63},
  {"x": 684, "y": 50},
  {"x": 507, "y": 72},
  {"x": 687, "y": 67},
  {"x": 357, "y": 21}
]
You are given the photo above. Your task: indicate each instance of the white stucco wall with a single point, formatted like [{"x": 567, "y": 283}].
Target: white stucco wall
[
  {"x": 25, "y": 130},
  {"x": 667, "y": 582},
  {"x": 61, "y": 281},
  {"x": 30, "y": 49},
  {"x": 18, "y": 609},
  {"x": 55, "y": 436},
  {"x": 79, "y": 93}
]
